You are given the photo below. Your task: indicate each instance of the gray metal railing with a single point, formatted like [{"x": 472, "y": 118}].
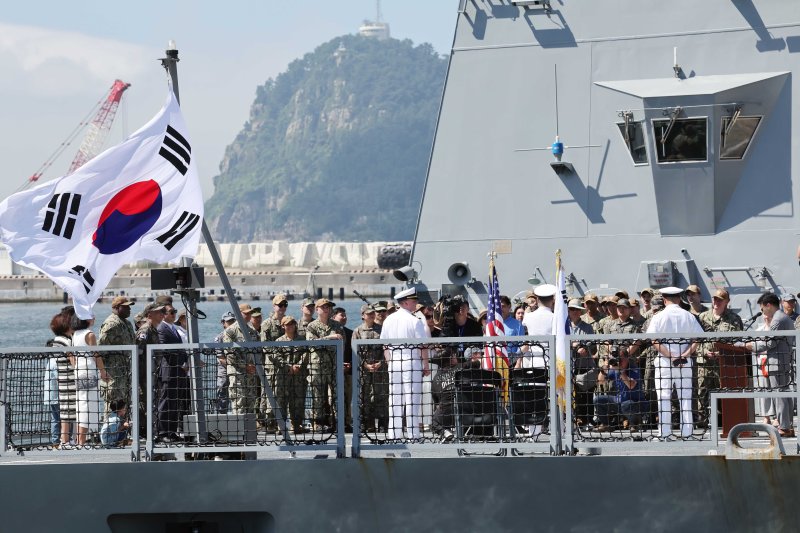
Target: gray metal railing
[{"x": 471, "y": 411}]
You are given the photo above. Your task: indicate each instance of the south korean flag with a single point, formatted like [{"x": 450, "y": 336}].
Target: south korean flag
[{"x": 140, "y": 200}]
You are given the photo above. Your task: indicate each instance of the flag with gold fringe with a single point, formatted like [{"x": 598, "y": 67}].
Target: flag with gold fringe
[{"x": 495, "y": 355}]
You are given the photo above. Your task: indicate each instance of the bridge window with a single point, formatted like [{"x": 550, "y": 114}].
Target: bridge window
[
  {"x": 681, "y": 140},
  {"x": 633, "y": 136},
  {"x": 735, "y": 135}
]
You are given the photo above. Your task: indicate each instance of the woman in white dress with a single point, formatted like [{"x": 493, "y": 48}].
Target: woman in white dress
[{"x": 89, "y": 369}]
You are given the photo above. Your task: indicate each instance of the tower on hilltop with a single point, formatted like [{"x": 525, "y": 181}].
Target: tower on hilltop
[{"x": 377, "y": 29}]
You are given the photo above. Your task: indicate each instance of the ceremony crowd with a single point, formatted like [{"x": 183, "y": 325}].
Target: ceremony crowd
[{"x": 619, "y": 384}]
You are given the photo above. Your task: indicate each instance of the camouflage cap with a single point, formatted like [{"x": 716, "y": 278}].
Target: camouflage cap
[
  {"x": 622, "y": 294},
  {"x": 722, "y": 294},
  {"x": 307, "y": 302},
  {"x": 228, "y": 317},
  {"x": 139, "y": 316},
  {"x": 256, "y": 311},
  {"x": 591, "y": 298},
  {"x": 693, "y": 288},
  {"x": 380, "y": 306},
  {"x": 366, "y": 309},
  {"x": 121, "y": 300},
  {"x": 245, "y": 308},
  {"x": 657, "y": 303},
  {"x": 323, "y": 302},
  {"x": 287, "y": 320},
  {"x": 576, "y": 303},
  {"x": 646, "y": 290},
  {"x": 164, "y": 299},
  {"x": 279, "y": 299}
]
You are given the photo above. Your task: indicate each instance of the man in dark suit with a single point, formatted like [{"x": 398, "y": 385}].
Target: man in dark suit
[{"x": 171, "y": 379}]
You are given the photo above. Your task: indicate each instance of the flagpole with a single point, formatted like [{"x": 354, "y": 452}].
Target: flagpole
[{"x": 170, "y": 63}]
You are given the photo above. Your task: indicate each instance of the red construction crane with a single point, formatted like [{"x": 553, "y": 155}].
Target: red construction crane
[{"x": 99, "y": 127}]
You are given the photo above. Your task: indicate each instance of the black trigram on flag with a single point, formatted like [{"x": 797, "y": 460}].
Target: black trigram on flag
[
  {"x": 61, "y": 214},
  {"x": 178, "y": 231},
  {"x": 176, "y": 150},
  {"x": 85, "y": 275}
]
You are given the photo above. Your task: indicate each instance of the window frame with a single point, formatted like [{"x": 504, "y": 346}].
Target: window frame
[
  {"x": 749, "y": 143},
  {"x": 693, "y": 161},
  {"x": 643, "y": 122}
]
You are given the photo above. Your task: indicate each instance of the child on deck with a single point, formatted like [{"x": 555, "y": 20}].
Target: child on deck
[{"x": 115, "y": 430}]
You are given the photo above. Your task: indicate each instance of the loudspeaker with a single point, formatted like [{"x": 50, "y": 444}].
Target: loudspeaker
[
  {"x": 459, "y": 273},
  {"x": 405, "y": 273}
]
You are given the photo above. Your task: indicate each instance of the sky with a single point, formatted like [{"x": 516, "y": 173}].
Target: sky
[{"x": 58, "y": 59}]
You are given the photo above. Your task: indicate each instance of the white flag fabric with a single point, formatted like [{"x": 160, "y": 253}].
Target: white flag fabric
[
  {"x": 560, "y": 331},
  {"x": 138, "y": 200}
]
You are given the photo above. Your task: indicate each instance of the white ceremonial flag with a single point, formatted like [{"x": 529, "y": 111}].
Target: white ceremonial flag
[
  {"x": 138, "y": 200},
  {"x": 560, "y": 331}
]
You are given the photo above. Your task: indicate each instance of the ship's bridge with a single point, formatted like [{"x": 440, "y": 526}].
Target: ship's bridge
[{"x": 696, "y": 136}]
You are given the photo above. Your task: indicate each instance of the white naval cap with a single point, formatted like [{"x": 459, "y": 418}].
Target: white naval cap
[
  {"x": 671, "y": 291},
  {"x": 545, "y": 291},
  {"x": 408, "y": 294}
]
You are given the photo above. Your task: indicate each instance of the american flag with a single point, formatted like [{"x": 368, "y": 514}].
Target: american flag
[{"x": 495, "y": 356}]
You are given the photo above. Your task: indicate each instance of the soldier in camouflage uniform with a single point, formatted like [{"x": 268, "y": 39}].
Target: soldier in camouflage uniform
[
  {"x": 242, "y": 379},
  {"x": 322, "y": 365},
  {"x": 636, "y": 314},
  {"x": 291, "y": 371},
  {"x": 593, "y": 315},
  {"x": 624, "y": 325},
  {"x": 117, "y": 331},
  {"x": 719, "y": 318},
  {"x": 271, "y": 330},
  {"x": 694, "y": 298},
  {"x": 147, "y": 335},
  {"x": 306, "y": 317},
  {"x": 647, "y": 297},
  {"x": 374, "y": 374}
]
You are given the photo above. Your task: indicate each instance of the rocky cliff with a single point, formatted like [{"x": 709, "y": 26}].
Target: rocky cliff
[{"x": 335, "y": 148}]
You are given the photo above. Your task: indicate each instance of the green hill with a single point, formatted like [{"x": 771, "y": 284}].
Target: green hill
[{"x": 336, "y": 147}]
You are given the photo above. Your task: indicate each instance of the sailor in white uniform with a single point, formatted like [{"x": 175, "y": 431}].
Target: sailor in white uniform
[
  {"x": 407, "y": 366},
  {"x": 539, "y": 322},
  {"x": 673, "y": 367}
]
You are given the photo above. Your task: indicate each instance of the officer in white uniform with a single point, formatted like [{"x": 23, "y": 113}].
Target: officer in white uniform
[
  {"x": 407, "y": 366},
  {"x": 673, "y": 366},
  {"x": 539, "y": 322}
]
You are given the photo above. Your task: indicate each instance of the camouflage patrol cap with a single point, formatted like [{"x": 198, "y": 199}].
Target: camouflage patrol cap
[
  {"x": 634, "y": 302},
  {"x": 693, "y": 288},
  {"x": 164, "y": 299},
  {"x": 623, "y": 302},
  {"x": 139, "y": 317},
  {"x": 121, "y": 300},
  {"x": 722, "y": 294},
  {"x": 246, "y": 309},
  {"x": 279, "y": 299},
  {"x": 622, "y": 294},
  {"x": 646, "y": 290},
  {"x": 380, "y": 306},
  {"x": 307, "y": 302},
  {"x": 366, "y": 309},
  {"x": 287, "y": 320},
  {"x": 591, "y": 298},
  {"x": 391, "y": 305},
  {"x": 256, "y": 311},
  {"x": 228, "y": 317}
]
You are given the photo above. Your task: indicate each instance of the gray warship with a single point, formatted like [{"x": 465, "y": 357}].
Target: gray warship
[{"x": 673, "y": 165}]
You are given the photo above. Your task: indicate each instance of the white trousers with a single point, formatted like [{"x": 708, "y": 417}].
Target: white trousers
[
  {"x": 666, "y": 376},
  {"x": 405, "y": 393}
]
